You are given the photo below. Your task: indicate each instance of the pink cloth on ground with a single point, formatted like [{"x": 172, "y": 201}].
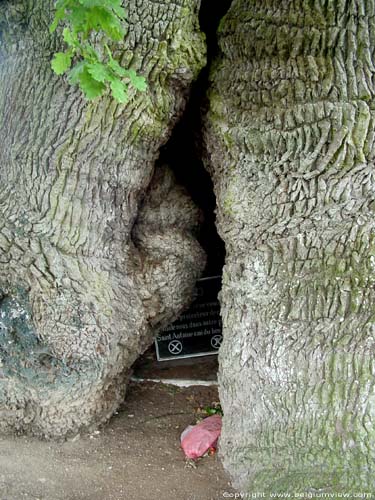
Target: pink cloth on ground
[{"x": 198, "y": 439}]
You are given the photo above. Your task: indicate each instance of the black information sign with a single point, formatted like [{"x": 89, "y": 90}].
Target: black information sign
[{"x": 197, "y": 332}]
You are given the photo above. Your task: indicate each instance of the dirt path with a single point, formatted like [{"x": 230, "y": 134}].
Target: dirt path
[{"x": 135, "y": 457}]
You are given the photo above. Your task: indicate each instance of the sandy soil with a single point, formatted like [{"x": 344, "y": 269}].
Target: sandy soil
[{"x": 136, "y": 456}]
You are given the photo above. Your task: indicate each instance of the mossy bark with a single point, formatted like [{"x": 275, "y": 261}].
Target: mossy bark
[
  {"x": 290, "y": 145},
  {"x": 96, "y": 250}
]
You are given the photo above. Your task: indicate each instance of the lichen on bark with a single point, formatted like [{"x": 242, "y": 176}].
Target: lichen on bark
[{"x": 86, "y": 275}]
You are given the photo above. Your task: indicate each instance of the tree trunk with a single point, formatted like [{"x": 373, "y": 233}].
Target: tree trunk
[
  {"x": 96, "y": 252},
  {"x": 289, "y": 137}
]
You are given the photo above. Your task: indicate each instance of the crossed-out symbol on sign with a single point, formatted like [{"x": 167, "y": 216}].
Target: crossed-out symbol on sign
[
  {"x": 175, "y": 347},
  {"x": 216, "y": 341}
]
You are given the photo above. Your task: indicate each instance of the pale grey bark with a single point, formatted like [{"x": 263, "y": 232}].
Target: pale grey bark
[
  {"x": 290, "y": 145},
  {"x": 83, "y": 285}
]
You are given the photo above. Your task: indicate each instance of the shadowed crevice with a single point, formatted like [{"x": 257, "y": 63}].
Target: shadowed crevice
[{"x": 183, "y": 152}]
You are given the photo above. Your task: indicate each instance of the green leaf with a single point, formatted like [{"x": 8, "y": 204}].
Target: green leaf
[
  {"x": 116, "y": 6},
  {"x": 94, "y": 3},
  {"x": 103, "y": 19},
  {"x": 69, "y": 37},
  {"x": 65, "y": 4},
  {"x": 78, "y": 18},
  {"x": 98, "y": 71},
  {"x": 75, "y": 72},
  {"x": 91, "y": 3},
  {"x": 90, "y": 87},
  {"x": 61, "y": 62},
  {"x": 89, "y": 53},
  {"x": 112, "y": 5},
  {"x": 93, "y": 72},
  {"x": 119, "y": 91},
  {"x": 138, "y": 82},
  {"x": 59, "y": 16},
  {"x": 120, "y": 11},
  {"x": 116, "y": 68}
]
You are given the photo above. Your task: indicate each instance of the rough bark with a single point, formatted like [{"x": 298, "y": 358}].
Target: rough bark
[
  {"x": 89, "y": 267},
  {"x": 289, "y": 137}
]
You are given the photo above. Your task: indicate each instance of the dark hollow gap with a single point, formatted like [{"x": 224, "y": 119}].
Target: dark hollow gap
[{"x": 183, "y": 153}]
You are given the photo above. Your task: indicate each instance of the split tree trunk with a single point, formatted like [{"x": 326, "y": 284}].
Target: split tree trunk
[
  {"x": 290, "y": 144},
  {"x": 95, "y": 252}
]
